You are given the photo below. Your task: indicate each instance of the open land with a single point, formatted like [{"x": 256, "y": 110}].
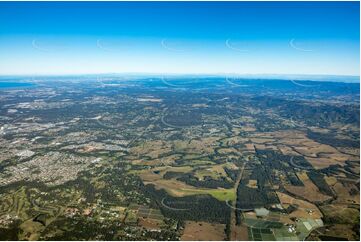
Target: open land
[{"x": 139, "y": 159}]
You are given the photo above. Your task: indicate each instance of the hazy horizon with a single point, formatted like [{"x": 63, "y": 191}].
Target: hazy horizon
[{"x": 286, "y": 77}]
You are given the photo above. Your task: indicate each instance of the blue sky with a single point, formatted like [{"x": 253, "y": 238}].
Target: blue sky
[{"x": 180, "y": 37}]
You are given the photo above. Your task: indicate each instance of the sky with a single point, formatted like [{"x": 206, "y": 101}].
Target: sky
[{"x": 179, "y": 37}]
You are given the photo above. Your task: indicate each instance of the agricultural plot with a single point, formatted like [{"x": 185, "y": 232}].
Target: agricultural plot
[
  {"x": 201, "y": 231},
  {"x": 268, "y": 230},
  {"x": 308, "y": 191},
  {"x": 142, "y": 160},
  {"x": 146, "y": 212}
]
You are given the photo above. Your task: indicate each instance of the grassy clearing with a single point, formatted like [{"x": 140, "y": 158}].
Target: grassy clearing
[
  {"x": 180, "y": 189},
  {"x": 220, "y": 194},
  {"x": 223, "y": 195},
  {"x": 202, "y": 231}
]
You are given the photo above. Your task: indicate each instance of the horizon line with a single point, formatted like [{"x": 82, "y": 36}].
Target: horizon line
[
  {"x": 178, "y": 74},
  {"x": 355, "y": 79}
]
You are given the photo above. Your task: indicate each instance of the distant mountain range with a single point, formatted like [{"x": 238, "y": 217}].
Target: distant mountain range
[{"x": 305, "y": 77}]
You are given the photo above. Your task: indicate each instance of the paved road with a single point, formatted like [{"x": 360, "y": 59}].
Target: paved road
[{"x": 233, "y": 226}]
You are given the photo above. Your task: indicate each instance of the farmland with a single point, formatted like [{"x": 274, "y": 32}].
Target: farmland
[{"x": 207, "y": 161}]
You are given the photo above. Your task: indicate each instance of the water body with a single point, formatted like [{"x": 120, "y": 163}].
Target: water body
[{"x": 4, "y": 85}]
